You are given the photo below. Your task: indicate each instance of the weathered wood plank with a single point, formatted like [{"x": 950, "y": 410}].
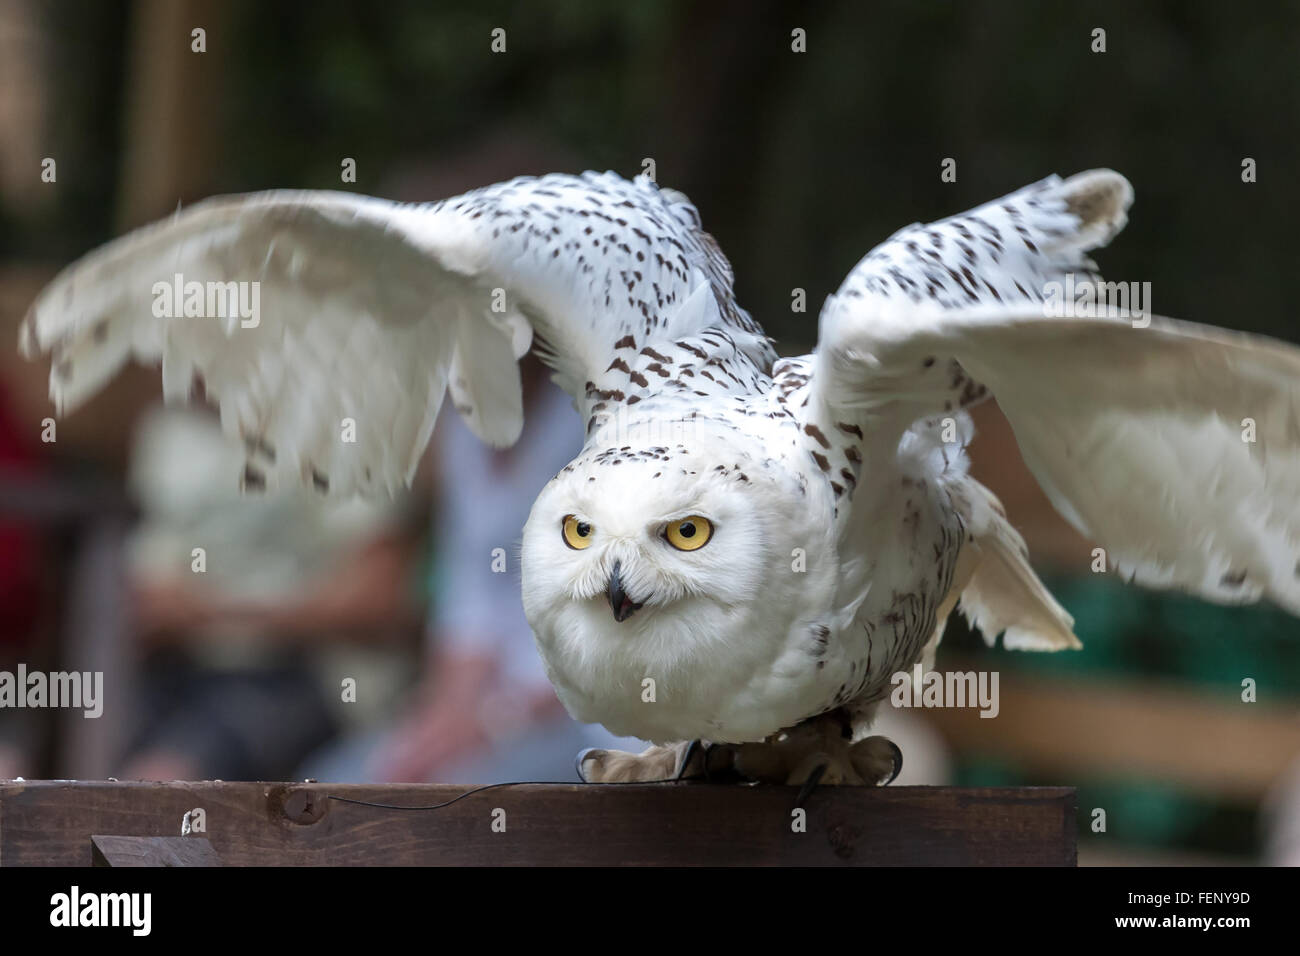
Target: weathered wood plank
[
  {"x": 152, "y": 851},
  {"x": 51, "y": 822}
]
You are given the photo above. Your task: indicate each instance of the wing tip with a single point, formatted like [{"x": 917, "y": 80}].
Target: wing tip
[
  {"x": 28, "y": 346},
  {"x": 1100, "y": 198},
  {"x": 29, "y": 341},
  {"x": 1036, "y": 639}
]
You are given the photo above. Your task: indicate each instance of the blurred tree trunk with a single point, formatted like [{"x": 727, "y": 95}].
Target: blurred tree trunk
[{"x": 172, "y": 141}]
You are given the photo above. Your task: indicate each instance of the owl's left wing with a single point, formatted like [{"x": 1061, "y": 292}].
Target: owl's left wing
[{"x": 1175, "y": 446}]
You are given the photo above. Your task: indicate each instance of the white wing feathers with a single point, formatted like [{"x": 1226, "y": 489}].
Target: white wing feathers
[
  {"x": 1002, "y": 254},
  {"x": 1003, "y": 594},
  {"x": 1174, "y": 446},
  {"x": 368, "y": 311}
]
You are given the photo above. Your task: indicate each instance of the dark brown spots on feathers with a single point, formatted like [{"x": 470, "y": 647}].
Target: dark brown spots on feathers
[
  {"x": 849, "y": 429},
  {"x": 604, "y": 393},
  {"x": 816, "y": 433},
  {"x": 253, "y": 480},
  {"x": 822, "y": 462},
  {"x": 1233, "y": 579},
  {"x": 319, "y": 481}
]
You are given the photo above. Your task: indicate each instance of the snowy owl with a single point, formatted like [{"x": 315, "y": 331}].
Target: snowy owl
[{"x": 748, "y": 547}]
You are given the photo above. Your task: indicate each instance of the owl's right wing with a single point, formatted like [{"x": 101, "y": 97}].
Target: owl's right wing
[
  {"x": 358, "y": 314},
  {"x": 1175, "y": 446}
]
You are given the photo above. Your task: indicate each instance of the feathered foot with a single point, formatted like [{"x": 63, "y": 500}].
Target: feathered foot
[
  {"x": 657, "y": 763},
  {"x": 819, "y": 750}
]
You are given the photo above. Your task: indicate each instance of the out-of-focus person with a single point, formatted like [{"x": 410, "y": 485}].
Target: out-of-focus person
[{"x": 252, "y": 609}]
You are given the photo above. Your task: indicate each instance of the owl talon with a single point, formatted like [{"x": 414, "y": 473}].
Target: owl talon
[
  {"x": 694, "y": 748},
  {"x": 656, "y": 764},
  {"x": 877, "y": 760},
  {"x": 810, "y": 785},
  {"x": 580, "y": 759},
  {"x": 898, "y": 764}
]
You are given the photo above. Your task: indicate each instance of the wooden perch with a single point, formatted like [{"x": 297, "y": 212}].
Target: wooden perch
[{"x": 58, "y": 822}]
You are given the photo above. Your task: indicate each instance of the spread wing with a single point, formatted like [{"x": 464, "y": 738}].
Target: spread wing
[
  {"x": 1175, "y": 446},
  {"x": 329, "y": 326}
]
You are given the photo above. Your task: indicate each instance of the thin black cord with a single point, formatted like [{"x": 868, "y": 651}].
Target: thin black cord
[
  {"x": 677, "y": 778},
  {"x": 513, "y": 783}
]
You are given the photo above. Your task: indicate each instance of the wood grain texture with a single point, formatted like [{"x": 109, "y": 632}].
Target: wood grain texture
[
  {"x": 266, "y": 824},
  {"x": 121, "y": 851}
]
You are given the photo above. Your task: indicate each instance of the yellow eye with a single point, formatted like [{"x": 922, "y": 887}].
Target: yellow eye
[
  {"x": 689, "y": 534},
  {"x": 577, "y": 533}
]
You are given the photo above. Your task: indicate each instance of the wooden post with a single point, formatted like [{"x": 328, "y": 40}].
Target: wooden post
[{"x": 681, "y": 824}]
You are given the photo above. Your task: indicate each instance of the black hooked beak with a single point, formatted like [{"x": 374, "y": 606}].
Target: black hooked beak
[{"x": 622, "y": 605}]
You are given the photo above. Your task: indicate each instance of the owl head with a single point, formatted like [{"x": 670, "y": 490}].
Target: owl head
[{"x": 641, "y": 560}]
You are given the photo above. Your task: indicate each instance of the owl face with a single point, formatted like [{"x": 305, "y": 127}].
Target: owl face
[
  {"x": 649, "y": 564},
  {"x": 639, "y": 561},
  {"x": 626, "y": 536}
]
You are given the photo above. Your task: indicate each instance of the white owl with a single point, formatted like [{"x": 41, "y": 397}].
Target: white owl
[{"x": 748, "y": 548}]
